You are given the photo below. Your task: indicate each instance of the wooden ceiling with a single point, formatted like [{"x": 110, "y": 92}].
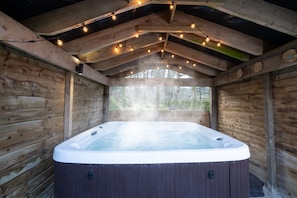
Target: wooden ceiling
[{"x": 148, "y": 33}]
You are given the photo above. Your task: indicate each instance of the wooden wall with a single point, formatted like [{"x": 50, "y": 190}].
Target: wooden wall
[
  {"x": 87, "y": 104},
  {"x": 200, "y": 117},
  {"x": 32, "y": 98},
  {"x": 285, "y": 113},
  {"x": 241, "y": 114},
  {"x": 31, "y": 123}
]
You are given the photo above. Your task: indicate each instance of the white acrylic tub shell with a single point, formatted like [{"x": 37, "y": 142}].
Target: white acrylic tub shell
[{"x": 73, "y": 150}]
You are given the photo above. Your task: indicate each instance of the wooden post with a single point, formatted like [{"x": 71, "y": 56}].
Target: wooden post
[
  {"x": 105, "y": 104},
  {"x": 270, "y": 135},
  {"x": 69, "y": 84},
  {"x": 214, "y": 109}
]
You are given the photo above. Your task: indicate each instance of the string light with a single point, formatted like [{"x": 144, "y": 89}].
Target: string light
[
  {"x": 160, "y": 38},
  {"x": 219, "y": 44},
  {"x": 113, "y": 16},
  {"x": 187, "y": 61},
  {"x": 120, "y": 45},
  {"x": 194, "y": 64},
  {"x": 193, "y": 25},
  {"x": 172, "y": 56},
  {"x": 162, "y": 50},
  {"x": 148, "y": 51},
  {"x": 203, "y": 43},
  {"x": 139, "y": 2},
  {"x": 85, "y": 29},
  {"x": 131, "y": 72},
  {"x": 131, "y": 49},
  {"x": 59, "y": 42},
  {"x": 180, "y": 67},
  {"x": 181, "y": 35},
  {"x": 171, "y": 5},
  {"x": 137, "y": 36},
  {"x": 158, "y": 68},
  {"x": 207, "y": 39},
  {"x": 167, "y": 66}
]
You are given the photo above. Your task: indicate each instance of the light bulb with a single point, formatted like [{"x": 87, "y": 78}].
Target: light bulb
[
  {"x": 219, "y": 44},
  {"x": 113, "y": 16},
  {"x": 171, "y": 6},
  {"x": 59, "y": 42},
  {"x": 85, "y": 29},
  {"x": 193, "y": 25},
  {"x": 207, "y": 39}
]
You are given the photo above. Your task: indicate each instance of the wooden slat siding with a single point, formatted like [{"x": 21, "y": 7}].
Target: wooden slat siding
[
  {"x": 241, "y": 115},
  {"x": 31, "y": 122},
  {"x": 285, "y": 114},
  {"x": 200, "y": 117},
  {"x": 87, "y": 104}
]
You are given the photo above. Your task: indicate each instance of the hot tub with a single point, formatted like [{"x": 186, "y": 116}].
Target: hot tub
[{"x": 153, "y": 160}]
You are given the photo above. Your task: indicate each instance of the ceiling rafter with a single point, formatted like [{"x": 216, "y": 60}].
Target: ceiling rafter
[
  {"x": 262, "y": 13},
  {"x": 198, "y": 56},
  {"x": 121, "y": 48},
  {"x": 111, "y": 35},
  {"x": 127, "y": 57},
  {"x": 221, "y": 33}
]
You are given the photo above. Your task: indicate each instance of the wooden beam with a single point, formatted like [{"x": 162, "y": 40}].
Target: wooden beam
[
  {"x": 143, "y": 67},
  {"x": 268, "y": 62},
  {"x": 226, "y": 36},
  {"x": 69, "y": 85},
  {"x": 121, "y": 48},
  {"x": 214, "y": 109},
  {"x": 167, "y": 60},
  {"x": 198, "y": 56},
  {"x": 106, "y": 104},
  {"x": 262, "y": 13},
  {"x": 160, "y": 82},
  {"x": 128, "y": 57},
  {"x": 85, "y": 12},
  {"x": 110, "y": 36},
  {"x": 270, "y": 134},
  {"x": 213, "y": 45},
  {"x": 62, "y": 20},
  {"x": 166, "y": 28},
  {"x": 20, "y": 37}
]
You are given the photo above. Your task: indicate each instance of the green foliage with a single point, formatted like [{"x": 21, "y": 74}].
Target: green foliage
[{"x": 164, "y": 99}]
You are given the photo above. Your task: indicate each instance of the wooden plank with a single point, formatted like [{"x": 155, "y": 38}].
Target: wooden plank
[
  {"x": 68, "y": 105},
  {"x": 214, "y": 109},
  {"x": 160, "y": 82},
  {"x": 110, "y": 36},
  {"x": 115, "y": 50},
  {"x": 227, "y": 36},
  {"x": 270, "y": 134},
  {"x": 263, "y": 13},
  {"x": 271, "y": 61},
  {"x": 106, "y": 104},
  {"x": 11, "y": 31},
  {"x": 128, "y": 57},
  {"x": 62, "y": 20},
  {"x": 223, "y": 49}
]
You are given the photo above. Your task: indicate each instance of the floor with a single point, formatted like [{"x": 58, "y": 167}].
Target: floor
[{"x": 271, "y": 195}]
